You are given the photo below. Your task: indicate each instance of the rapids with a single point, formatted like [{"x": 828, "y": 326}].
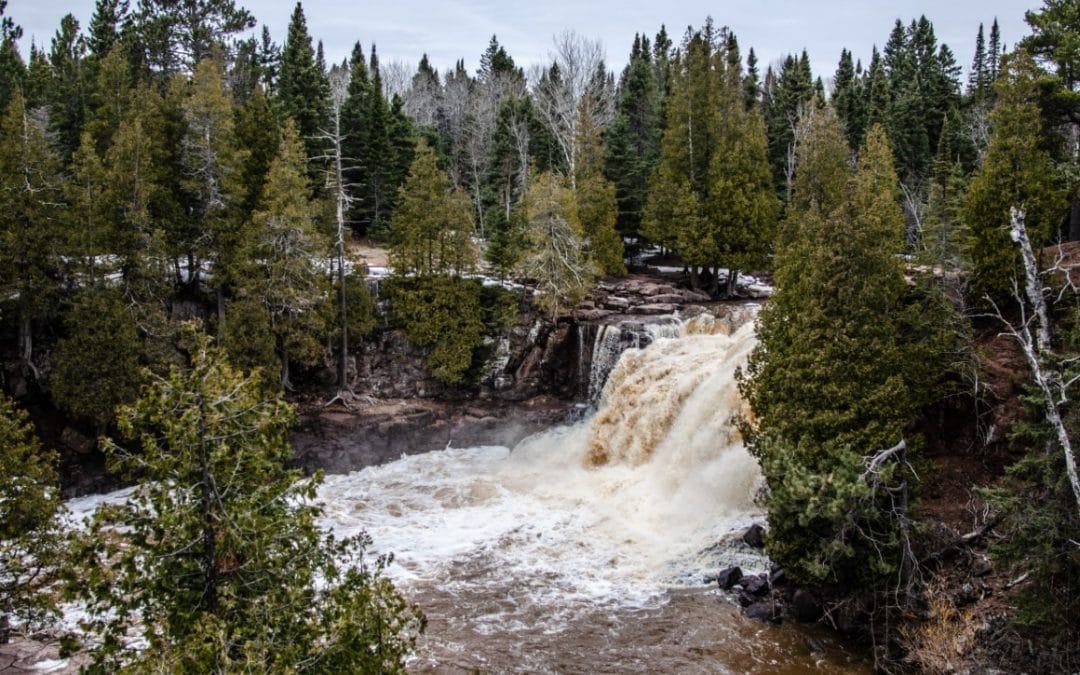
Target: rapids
[{"x": 583, "y": 548}]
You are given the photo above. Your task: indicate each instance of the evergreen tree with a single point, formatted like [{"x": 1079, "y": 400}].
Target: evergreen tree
[
  {"x": 287, "y": 245},
  {"x": 216, "y": 559},
  {"x": 30, "y": 536},
  {"x": 432, "y": 229},
  {"x": 847, "y": 100},
  {"x": 12, "y": 68},
  {"x": 258, "y": 133},
  {"x": 1016, "y": 173},
  {"x": 30, "y": 227},
  {"x": 177, "y": 35},
  {"x": 828, "y": 382},
  {"x": 69, "y": 88},
  {"x": 979, "y": 82},
  {"x": 302, "y": 85},
  {"x": 633, "y": 139},
  {"x": 878, "y": 92},
  {"x": 596, "y": 201},
  {"x": 788, "y": 101},
  {"x": 106, "y": 25},
  {"x": 212, "y": 162},
  {"x": 555, "y": 248},
  {"x": 96, "y": 365},
  {"x": 993, "y": 61}
]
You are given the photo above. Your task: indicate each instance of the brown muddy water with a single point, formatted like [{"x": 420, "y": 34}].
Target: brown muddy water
[{"x": 583, "y": 549}]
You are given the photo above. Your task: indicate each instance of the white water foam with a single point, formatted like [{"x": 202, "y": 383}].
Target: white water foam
[{"x": 550, "y": 523}]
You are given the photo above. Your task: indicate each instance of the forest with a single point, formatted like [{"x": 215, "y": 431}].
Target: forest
[{"x": 182, "y": 202}]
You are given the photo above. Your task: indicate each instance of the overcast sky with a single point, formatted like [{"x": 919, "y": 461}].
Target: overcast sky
[{"x": 451, "y": 29}]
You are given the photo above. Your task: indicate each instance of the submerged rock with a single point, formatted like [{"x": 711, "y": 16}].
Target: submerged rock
[{"x": 765, "y": 611}]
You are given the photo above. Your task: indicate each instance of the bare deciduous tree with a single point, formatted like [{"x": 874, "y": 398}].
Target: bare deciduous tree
[{"x": 574, "y": 84}]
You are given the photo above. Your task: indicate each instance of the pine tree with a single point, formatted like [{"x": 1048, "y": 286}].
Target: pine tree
[
  {"x": 216, "y": 560},
  {"x": 30, "y": 536},
  {"x": 177, "y": 35},
  {"x": 106, "y": 25},
  {"x": 1016, "y": 173}
]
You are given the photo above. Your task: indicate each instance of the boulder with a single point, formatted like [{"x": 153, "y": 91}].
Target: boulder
[
  {"x": 616, "y": 303},
  {"x": 805, "y": 606},
  {"x": 728, "y": 578},
  {"x": 754, "y": 537},
  {"x": 767, "y": 612},
  {"x": 777, "y": 578},
  {"x": 76, "y": 441},
  {"x": 755, "y": 585},
  {"x": 745, "y": 599},
  {"x": 592, "y": 314},
  {"x": 653, "y": 309}
]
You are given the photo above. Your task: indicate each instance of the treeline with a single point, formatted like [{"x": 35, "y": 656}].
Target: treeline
[{"x": 160, "y": 168}]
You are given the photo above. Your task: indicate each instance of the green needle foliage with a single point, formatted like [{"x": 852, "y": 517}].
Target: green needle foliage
[
  {"x": 216, "y": 559},
  {"x": 829, "y": 382},
  {"x": 29, "y": 537}
]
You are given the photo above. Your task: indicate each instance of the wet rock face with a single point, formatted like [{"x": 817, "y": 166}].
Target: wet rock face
[{"x": 339, "y": 441}]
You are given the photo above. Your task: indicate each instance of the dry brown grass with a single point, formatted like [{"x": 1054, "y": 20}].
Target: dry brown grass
[{"x": 944, "y": 641}]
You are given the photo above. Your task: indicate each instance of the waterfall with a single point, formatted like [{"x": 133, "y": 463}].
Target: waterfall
[
  {"x": 611, "y": 341},
  {"x": 615, "y": 506}
]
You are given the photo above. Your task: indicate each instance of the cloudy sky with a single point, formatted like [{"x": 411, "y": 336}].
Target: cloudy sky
[{"x": 451, "y": 29}]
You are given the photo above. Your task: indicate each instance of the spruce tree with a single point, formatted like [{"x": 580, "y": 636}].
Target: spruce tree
[
  {"x": 216, "y": 560},
  {"x": 979, "y": 82},
  {"x": 302, "y": 86},
  {"x": 69, "y": 89},
  {"x": 12, "y": 67},
  {"x": 632, "y": 140}
]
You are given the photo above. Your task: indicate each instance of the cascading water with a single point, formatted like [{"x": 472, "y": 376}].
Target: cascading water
[{"x": 583, "y": 548}]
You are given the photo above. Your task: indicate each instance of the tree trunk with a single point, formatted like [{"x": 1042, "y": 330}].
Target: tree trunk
[
  {"x": 26, "y": 345},
  {"x": 732, "y": 283}
]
